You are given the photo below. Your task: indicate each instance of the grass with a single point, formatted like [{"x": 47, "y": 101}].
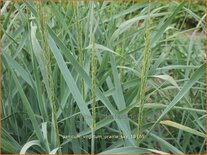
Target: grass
[{"x": 103, "y": 77}]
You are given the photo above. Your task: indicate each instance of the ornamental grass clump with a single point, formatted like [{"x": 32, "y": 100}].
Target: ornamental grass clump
[{"x": 70, "y": 81}]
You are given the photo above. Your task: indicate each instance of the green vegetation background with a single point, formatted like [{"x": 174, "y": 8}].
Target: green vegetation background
[{"x": 103, "y": 69}]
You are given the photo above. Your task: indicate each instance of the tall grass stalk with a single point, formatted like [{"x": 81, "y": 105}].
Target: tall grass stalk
[
  {"x": 144, "y": 74},
  {"x": 93, "y": 68},
  {"x": 47, "y": 59},
  {"x": 80, "y": 55}
]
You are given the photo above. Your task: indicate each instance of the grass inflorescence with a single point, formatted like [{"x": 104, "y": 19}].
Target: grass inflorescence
[{"x": 144, "y": 75}]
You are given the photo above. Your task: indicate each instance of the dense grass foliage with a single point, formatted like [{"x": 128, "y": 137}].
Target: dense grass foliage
[{"x": 103, "y": 77}]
